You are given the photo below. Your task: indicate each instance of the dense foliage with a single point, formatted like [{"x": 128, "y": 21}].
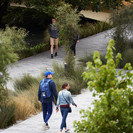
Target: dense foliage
[
  {"x": 11, "y": 39},
  {"x": 113, "y": 112},
  {"x": 98, "y": 5},
  {"x": 123, "y": 33},
  {"x": 67, "y": 19}
]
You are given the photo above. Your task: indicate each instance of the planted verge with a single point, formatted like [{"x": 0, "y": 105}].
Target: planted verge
[
  {"x": 113, "y": 112},
  {"x": 73, "y": 77},
  {"x": 89, "y": 29}
]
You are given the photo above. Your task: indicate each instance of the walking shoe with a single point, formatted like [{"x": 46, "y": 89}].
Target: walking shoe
[
  {"x": 67, "y": 130},
  {"x": 44, "y": 126},
  {"x": 51, "y": 56},
  {"x": 47, "y": 126},
  {"x": 55, "y": 53}
]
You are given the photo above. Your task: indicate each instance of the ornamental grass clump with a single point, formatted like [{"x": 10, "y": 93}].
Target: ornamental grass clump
[{"x": 113, "y": 112}]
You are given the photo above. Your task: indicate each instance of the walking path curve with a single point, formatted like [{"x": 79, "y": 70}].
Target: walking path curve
[{"x": 34, "y": 65}]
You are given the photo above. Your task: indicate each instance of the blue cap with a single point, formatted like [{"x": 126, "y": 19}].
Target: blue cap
[{"x": 48, "y": 73}]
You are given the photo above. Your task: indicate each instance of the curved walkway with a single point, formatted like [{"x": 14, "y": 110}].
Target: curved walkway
[{"x": 34, "y": 65}]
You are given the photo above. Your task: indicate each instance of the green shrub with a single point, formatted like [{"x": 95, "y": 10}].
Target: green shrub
[
  {"x": 3, "y": 95},
  {"x": 116, "y": 118},
  {"x": 14, "y": 36},
  {"x": 29, "y": 51},
  {"x": 89, "y": 29},
  {"x": 10, "y": 38},
  {"x": 25, "y": 83},
  {"x": 113, "y": 112},
  {"x": 7, "y": 116}
]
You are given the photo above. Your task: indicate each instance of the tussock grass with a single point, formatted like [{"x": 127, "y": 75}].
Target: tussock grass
[
  {"x": 25, "y": 83},
  {"x": 32, "y": 96},
  {"x": 25, "y": 98},
  {"x": 7, "y": 115},
  {"x": 74, "y": 78},
  {"x": 23, "y": 107},
  {"x": 26, "y": 102}
]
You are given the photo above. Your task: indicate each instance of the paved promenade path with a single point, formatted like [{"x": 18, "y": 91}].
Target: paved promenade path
[{"x": 34, "y": 65}]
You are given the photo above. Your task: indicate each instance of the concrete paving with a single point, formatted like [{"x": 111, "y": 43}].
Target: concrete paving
[
  {"x": 34, "y": 124},
  {"x": 34, "y": 65}
]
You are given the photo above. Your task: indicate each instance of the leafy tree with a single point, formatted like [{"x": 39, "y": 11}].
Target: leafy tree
[
  {"x": 4, "y": 4},
  {"x": 113, "y": 112},
  {"x": 79, "y": 4},
  {"x": 46, "y": 6},
  {"x": 98, "y": 5},
  {"x": 123, "y": 23},
  {"x": 67, "y": 19},
  {"x": 11, "y": 39}
]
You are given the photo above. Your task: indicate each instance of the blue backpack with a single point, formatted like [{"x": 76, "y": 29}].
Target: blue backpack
[{"x": 45, "y": 88}]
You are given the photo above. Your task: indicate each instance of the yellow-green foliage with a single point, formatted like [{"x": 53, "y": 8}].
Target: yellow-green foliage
[
  {"x": 13, "y": 36},
  {"x": 12, "y": 39},
  {"x": 113, "y": 111}
]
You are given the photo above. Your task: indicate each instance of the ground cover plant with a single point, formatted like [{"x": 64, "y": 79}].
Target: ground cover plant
[{"x": 113, "y": 112}]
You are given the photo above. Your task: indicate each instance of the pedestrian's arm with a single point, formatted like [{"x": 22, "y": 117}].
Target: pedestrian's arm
[
  {"x": 53, "y": 88},
  {"x": 57, "y": 104},
  {"x": 71, "y": 99}
]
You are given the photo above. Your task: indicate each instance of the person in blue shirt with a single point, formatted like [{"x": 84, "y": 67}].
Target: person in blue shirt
[
  {"x": 47, "y": 103},
  {"x": 64, "y": 100}
]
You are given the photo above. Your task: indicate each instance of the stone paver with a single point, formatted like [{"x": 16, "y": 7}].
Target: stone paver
[{"x": 34, "y": 65}]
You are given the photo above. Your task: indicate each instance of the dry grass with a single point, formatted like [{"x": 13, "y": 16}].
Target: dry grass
[
  {"x": 26, "y": 103},
  {"x": 23, "y": 107}
]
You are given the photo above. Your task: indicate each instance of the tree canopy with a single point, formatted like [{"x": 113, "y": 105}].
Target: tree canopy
[{"x": 50, "y": 6}]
